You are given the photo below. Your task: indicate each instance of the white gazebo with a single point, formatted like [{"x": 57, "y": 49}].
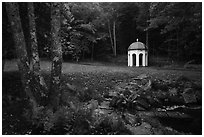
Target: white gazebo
[{"x": 137, "y": 54}]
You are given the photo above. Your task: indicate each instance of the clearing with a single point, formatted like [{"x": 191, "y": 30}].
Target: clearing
[{"x": 99, "y": 78}]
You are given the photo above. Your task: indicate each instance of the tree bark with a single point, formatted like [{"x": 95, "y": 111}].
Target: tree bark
[
  {"x": 56, "y": 55},
  {"x": 33, "y": 40},
  {"x": 39, "y": 82},
  {"x": 20, "y": 46},
  {"x": 114, "y": 38}
]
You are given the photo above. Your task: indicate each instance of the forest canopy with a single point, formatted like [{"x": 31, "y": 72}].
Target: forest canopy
[{"x": 94, "y": 29}]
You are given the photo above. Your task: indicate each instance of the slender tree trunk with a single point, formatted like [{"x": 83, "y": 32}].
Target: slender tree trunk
[
  {"x": 20, "y": 46},
  {"x": 83, "y": 54},
  {"x": 92, "y": 51},
  {"x": 147, "y": 43},
  {"x": 3, "y": 64},
  {"x": 4, "y": 52},
  {"x": 56, "y": 54},
  {"x": 177, "y": 43},
  {"x": 114, "y": 38},
  {"x": 111, "y": 39},
  {"x": 40, "y": 85},
  {"x": 147, "y": 39},
  {"x": 33, "y": 40}
]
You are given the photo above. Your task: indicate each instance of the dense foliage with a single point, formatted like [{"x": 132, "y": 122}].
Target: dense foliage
[{"x": 170, "y": 29}]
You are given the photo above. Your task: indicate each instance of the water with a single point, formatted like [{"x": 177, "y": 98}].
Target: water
[{"x": 187, "y": 125}]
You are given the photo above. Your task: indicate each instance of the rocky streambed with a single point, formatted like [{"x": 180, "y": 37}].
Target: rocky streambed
[{"x": 171, "y": 106}]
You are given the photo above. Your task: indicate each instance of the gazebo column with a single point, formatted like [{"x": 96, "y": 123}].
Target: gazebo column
[
  {"x": 144, "y": 60},
  {"x": 130, "y": 59},
  {"x": 137, "y": 59}
]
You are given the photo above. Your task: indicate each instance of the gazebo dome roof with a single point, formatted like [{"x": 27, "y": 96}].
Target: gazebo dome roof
[{"x": 137, "y": 46}]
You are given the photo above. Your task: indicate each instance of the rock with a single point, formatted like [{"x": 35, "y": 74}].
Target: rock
[
  {"x": 71, "y": 87},
  {"x": 188, "y": 84},
  {"x": 114, "y": 120},
  {"x": 142, "y": 76},
  {"x": 161, "y": 114},
  {"x": 189, "y": 96},
  {"x": 188, "y": 90},
  {"x": 176, "y": 99},
  {"x": 126, "y": 93},
  {"x": 104, "y": 105},
  {"x": 119, "y": 80},
  {"x": 154, "y": 101},
  {"x": 161, "y": 94},
  {"x": 198, "y": 95},
  {"x": 131, "y": 119},
  {"x": 157, "y": 131},
  {"x": 173, "y": 92},
  {"x": 143, "y": 103},
  {"x": 143, "y": 129},
  {"x": 119, "y": 88},
  {"x": 113, "y": 94},
  {"x": 147, "y": 86},
  {"x": 99, "y": 115},
  {"x": 139, "y": 108}
]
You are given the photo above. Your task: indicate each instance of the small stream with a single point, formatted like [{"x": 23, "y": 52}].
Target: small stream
[{"x": 191, "y": 125}]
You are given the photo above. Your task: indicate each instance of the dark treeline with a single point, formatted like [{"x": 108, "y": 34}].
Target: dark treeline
[{"x": 95, "y": 30}]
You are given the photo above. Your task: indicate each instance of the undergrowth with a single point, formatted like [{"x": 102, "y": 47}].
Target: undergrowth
[{"x": 85, "y": 111}]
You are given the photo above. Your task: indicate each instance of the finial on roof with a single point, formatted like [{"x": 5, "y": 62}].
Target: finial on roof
[{"x": 137, "y": 40}]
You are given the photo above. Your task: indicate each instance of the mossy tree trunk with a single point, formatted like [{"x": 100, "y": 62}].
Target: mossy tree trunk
[
  {"x": 20, "y": 46},
  {"x": 33, "y": 40},
  {"x": 56, "y": 55},
  {"x": 38, "y": 81}
]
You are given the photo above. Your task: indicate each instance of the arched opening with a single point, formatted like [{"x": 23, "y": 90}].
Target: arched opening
[
  {"x": 140, "y": 59},
  {"x": 133, "y": 60}
]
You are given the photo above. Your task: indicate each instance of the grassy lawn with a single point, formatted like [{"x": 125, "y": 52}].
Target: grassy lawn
[
  {"x": 97, "y": 67},
  {"x": 98, "y": 77}
]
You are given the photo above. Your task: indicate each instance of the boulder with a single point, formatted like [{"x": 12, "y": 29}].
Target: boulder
[
  {"x": 131, "y": 119},
  {"x": 143, "y": 129},
  {"x": 189, "y": 96},
  {"x": 173, "y": 92}
]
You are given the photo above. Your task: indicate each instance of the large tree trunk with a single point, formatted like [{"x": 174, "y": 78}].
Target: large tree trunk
[
  {"x": 20, "y": 46},
  {"x": 39, "y": 82},
  {"x": 33, "y": 40},
  {"x": 114, "y": 38},
  {"x": 56, "y": 54}
]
